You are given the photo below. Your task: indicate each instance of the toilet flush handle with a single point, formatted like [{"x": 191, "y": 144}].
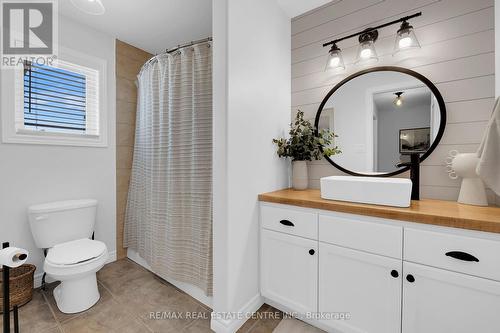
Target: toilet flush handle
[{"x": 41, "y": 218}]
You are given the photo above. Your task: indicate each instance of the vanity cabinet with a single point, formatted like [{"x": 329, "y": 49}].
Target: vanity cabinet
[
  {"x": 361, "y": 274},
  {"x": 289, "y": 267},
  {"x": 437, "y": 301},
  {"x": 366, "y": 286}
]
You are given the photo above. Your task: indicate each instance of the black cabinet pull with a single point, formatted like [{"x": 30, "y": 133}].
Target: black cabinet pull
[
  {"x": 287, "y": 223},
  {"x": 410, "y": 278},
  {"x": 462, "y": 256},
  {"x": 394, "y": 273},
  {"x": 311, "y": 252}
]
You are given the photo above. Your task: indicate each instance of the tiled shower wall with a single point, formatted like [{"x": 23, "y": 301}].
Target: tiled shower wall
[
  {"x": 457, "y": 55},
  {"x": 129, "y": 61}
]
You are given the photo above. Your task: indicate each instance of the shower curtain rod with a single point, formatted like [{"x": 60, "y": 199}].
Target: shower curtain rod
[{"x": 180, "y": 46}]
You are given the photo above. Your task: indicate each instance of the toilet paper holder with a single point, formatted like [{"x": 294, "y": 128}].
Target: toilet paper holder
[{"x": 17, "y": 259}]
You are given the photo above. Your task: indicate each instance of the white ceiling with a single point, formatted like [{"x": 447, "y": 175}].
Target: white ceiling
[
  {"x": 297, "y": 7},
  {"x": 411, "y": 98},
  {"x": 152, "y": 25}
]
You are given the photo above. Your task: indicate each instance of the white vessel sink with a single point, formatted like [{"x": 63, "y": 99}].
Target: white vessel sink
[{"x": 371, "y": 190}]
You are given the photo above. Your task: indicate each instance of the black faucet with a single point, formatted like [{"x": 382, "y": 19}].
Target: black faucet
[{"x": 414, "y": 165}]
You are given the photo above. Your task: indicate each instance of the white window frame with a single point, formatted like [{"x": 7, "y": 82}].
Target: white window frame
[{"x": 13, "y": 106}]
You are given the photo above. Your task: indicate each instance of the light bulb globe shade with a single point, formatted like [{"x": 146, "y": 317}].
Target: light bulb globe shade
[
  {"x": 398, "y": 101},
  {"x": 406, "y": 39},
  {"x": 366, "y": 52},
  {"x": 404, "y": 42},
  {"x": 92, "y": 7},
  {"x": 335, "y": 60}
]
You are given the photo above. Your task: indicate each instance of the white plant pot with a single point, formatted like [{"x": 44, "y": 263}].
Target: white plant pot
[{"x": 299, "y": 175}]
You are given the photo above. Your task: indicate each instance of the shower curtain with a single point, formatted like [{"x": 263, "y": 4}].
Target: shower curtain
[{"x": 168, "y": 218}]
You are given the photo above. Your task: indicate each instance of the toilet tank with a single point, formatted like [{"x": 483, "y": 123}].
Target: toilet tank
[{"x": 63, "y": 221}]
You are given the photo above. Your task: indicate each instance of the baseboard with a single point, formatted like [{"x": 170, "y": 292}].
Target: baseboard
[
  {"x": 221, "y": 325},
  {"x": 288, "y": 311},
  {"x": 37, "y": 279},
  {"x": 111, "y": 257}
]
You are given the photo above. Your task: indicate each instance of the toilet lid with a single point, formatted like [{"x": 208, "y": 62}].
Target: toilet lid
[{"x": 75, "y": 252}]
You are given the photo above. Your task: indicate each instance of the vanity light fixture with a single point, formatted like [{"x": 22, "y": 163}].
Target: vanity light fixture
[
  {"x": 92, "y": 7},
  {"x": 398, "y": 101},
  {"x": 366, "y": 48},
  {"x": 405, "y": 39},
  {"x": 335, "y": 60}
]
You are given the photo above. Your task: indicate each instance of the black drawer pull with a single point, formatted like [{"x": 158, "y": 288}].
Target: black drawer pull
[
  {"x": 312, "y": 252},
  {"x": 462, "y": 256},
  {"x": 287, "y": 223},
  {"x": 394, "y": 273}
]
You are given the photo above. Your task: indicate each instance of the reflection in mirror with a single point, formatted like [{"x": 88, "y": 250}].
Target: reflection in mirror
[{"x": 381, "y": 118}]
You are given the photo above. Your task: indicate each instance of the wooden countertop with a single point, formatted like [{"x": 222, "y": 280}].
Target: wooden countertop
[{"x": 436, "y": 212}]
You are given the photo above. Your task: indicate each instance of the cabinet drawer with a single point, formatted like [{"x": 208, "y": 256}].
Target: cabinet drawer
[
  {"x": 469, "y": 255},
  {"x": 357, "y": 234},
  {"x": 290, "y": 221}
]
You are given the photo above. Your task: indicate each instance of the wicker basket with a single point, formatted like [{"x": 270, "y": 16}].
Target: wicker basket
[{"x": 21, "y": 285}]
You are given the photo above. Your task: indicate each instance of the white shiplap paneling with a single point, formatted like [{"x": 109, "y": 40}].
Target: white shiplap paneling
[{"x": 457, "y": 55}]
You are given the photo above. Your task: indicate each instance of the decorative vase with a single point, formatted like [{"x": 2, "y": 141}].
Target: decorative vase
[
  {"x": 472, "y": 190},
  {"x": 299, "y": 175}
]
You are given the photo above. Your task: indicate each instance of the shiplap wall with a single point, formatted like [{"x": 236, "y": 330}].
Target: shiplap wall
[{"x": 457, "y": 55}]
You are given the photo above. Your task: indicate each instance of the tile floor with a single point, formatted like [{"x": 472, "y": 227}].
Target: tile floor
[{"x": 129, "y": 294}]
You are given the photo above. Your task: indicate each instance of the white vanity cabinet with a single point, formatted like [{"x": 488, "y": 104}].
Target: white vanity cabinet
[
  {"x": 365, "y": 286},
  {"x": 289, "y": 258},
  {"x": 289, "y": 270},
  {"x": 438, "y": 301},
  {"x": 364, "y": 274}
]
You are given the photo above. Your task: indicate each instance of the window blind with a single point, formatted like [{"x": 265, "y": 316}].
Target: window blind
[{"x": 62, "y": 98}]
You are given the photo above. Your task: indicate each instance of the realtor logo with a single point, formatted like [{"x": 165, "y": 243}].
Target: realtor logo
[{"x": 28, "y": 31}]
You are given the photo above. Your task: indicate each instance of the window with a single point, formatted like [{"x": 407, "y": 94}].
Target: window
[
  {"x": 54, "y": 99},
  {"x": 63, "y": 103},
  {"x": 60, "y": 99}
]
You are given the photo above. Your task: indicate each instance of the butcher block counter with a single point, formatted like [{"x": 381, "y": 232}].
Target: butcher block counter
[{"x": 426, "y": 211}]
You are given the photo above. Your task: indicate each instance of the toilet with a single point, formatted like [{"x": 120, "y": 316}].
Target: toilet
[{"x": 64, "y": 229}]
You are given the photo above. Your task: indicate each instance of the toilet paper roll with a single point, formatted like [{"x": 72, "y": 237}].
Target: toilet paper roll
[{"x": 13, "y": 256}]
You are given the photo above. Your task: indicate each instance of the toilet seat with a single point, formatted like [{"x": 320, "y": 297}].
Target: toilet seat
[
  {"x": 75, "y": 258},
  {"x": 75, "y": 252}
]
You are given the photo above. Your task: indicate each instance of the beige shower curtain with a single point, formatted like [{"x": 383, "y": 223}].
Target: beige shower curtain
[{"x": 169, "y": 209}]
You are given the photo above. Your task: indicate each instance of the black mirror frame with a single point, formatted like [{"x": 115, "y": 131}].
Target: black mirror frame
[{"x": 426, "y": 81}]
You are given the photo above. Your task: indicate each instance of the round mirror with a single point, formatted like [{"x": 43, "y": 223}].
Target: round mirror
[{"x": 382, "y": 116}]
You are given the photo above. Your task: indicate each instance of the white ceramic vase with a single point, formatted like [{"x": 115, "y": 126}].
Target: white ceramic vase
[
  {"x": 299, "y": 175},
  {"x": 472, "y": 191}
]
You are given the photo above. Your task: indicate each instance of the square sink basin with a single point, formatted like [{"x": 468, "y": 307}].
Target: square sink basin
[{"x": 370, "y": 190}]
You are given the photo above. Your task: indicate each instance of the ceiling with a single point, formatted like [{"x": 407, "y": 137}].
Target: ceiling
[
  {"x": 297, "y": 7},
  {"x": 155, "y": 25},
  {"x": 411, "y": 98},
  {"x": 152, "y": 25}
]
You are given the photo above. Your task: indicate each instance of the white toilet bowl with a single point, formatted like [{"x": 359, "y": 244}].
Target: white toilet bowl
[
  {"x": 64, "y": 229},
  {"x": 75, "y": 264}
]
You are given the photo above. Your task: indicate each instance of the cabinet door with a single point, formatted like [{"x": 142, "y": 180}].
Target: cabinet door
[
  {"x": 365, "y": 286},
  {"x": 289, "y": 271},
  {"x": 439, "y": 301}
]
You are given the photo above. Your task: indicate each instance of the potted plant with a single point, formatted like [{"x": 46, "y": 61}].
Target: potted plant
[{"x": 303, "y": 145}]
